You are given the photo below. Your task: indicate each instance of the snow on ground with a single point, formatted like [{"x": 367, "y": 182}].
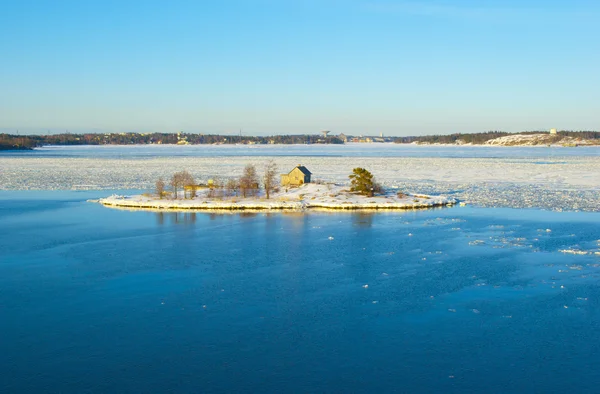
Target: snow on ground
[
  {"x": 554, "y": 182},
  {"x": 311, "y": 195}
]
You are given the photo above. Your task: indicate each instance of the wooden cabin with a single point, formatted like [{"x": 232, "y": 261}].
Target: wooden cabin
[{"x": 298, "y": 176}]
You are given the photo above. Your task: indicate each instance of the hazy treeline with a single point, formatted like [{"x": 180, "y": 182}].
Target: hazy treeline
[
  {"x": 8, "y": 141},
  {"x": 476, "y": 138},
  {"x": 11, "y": 141},
  {"x": 588, "y": 135}
]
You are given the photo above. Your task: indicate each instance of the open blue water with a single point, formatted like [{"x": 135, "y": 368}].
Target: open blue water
[{"x": 458, "y": 300}]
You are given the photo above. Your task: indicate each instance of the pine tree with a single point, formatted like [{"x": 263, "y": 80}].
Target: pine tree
[{"x": 362, "y": 182}]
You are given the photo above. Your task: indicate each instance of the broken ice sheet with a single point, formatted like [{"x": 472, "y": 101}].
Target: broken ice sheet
[{"x": 483, "y": 181}]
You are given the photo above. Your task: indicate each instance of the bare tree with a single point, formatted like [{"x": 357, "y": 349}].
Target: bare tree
[
  {"x": 216, "y": 188},
  {"x": 212, "y": 188},
  {"x": 183, "y": 180},
  {"x": 249, "y": 181},
  {"x": 270, "y": 177},
  {"x": 160, "y": 188},
  {"x": 176, "y": 183},
  {"x": 188, "y": 184},
  {"x": 232, "y": 186}
]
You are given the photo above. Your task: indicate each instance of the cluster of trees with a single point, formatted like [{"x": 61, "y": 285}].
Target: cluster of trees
[
  {"x": 179, "y": 181},
  {"x": 247, "y": 185},
  {"x": 8, "y": 141},
  {"x": 588, "y": 135}
]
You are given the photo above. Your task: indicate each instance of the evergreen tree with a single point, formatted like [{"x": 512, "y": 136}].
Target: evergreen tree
[{"x": 362, "y": 182}]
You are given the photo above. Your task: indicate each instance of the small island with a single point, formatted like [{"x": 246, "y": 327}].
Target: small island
[{"x": 295, "y": 191}]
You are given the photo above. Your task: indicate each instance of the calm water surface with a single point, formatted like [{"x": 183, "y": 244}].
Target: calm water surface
[{"x": 452, "y": 300}]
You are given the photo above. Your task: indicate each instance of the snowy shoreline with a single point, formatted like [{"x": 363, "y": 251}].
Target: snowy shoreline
[{"x": 308, "y": 196}]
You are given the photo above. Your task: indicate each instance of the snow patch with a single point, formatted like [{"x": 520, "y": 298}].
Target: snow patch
[{"x": 308, "y": 196}]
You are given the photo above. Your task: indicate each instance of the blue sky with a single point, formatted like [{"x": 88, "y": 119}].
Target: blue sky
[{"x": 287, "y": 67}]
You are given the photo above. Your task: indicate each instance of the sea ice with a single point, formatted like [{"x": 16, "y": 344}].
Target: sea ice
[{"x": 556, "y": 183}]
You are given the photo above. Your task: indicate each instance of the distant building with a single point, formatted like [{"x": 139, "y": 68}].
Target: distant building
[
  {"x": 298, "y": 176},
  {"x": 552, "y": 131},
  {"x": 362, "y": 139},
  {"x": 343, "y": 137},
  {"x": 182, "y": 140}
]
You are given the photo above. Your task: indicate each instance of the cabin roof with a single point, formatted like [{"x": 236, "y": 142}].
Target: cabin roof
[{"x": 303, "y": 169}]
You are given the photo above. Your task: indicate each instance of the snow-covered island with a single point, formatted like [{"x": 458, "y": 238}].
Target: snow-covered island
[
  {"x": 303, "y": 197},
  {"x": 529, "y": 139},
  {"x": 541, "y": 139}
]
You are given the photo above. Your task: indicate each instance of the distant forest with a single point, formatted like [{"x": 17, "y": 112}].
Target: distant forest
[{"x": 11, "y": 141}]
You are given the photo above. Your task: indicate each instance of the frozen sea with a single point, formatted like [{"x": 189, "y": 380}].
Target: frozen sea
[
  {"x": 553, "y": 178},
  {"x": 454, "y": 300}
]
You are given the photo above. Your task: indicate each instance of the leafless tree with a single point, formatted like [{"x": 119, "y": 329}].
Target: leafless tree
[
  {"x": 176, "y": 183},
  {"x": 160, "y": 188},
  {"x": 181, "y": 180},
  {"x": 189, "y": 185},
  {"x": 249, "y": 181},
  {"x": 232, "y": 186},
  {"x": 270, "y": 177},
  {"x": 216, "y": 189}
]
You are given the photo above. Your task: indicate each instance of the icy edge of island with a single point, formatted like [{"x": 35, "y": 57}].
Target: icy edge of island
[{"x": 308, "y": 196}]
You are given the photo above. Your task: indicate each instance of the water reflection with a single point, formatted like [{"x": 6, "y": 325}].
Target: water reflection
[
  {"x": 186, "y": 218},
  {"x": 248, "y": 214},
  {"x": 363, "y": 219}
]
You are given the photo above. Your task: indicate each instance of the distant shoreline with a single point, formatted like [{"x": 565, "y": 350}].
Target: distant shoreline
[
  {"x": 12, "y": 148},
  {"x": 354, "y": 144},
  {"x": 564, "y": 138}
]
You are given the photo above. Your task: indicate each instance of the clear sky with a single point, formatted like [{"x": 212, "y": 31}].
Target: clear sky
[{"x": 288, "y": 67}]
